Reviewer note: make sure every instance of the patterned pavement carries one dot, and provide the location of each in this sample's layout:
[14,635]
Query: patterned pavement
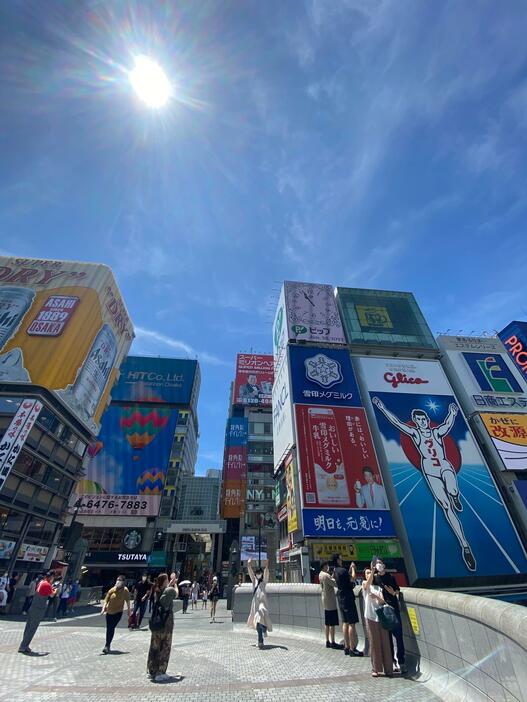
[217,665]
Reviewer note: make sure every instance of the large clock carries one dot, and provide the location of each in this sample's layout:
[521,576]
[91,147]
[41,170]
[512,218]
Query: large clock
[312,304]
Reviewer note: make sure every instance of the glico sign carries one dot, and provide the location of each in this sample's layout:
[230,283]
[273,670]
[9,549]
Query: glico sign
[514,338]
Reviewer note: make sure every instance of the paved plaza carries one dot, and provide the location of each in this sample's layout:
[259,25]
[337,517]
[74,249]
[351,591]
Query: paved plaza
[217,664]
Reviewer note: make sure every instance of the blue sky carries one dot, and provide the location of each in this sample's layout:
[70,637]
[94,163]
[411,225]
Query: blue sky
[372,144]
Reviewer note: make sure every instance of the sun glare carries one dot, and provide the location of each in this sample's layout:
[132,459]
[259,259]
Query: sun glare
[150,82]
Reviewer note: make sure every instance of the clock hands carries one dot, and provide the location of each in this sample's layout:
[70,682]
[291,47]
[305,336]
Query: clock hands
[308,298]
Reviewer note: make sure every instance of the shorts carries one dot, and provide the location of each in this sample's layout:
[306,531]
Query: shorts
[331,617]
[348,610]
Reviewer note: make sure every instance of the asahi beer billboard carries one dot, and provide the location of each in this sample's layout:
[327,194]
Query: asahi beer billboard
[144,379]
[482,374]
[63,325]
[128,463]
[455,519]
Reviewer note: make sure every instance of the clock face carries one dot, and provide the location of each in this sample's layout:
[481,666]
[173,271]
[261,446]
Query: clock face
[312,304]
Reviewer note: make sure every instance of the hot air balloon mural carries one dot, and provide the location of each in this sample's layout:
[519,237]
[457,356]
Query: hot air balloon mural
[141,424]
[93,449]
[90,487]
[151,482]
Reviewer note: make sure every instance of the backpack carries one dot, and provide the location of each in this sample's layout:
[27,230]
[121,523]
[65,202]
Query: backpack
[158,618]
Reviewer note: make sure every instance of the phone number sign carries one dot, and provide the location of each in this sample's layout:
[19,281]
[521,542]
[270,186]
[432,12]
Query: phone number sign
[118,505]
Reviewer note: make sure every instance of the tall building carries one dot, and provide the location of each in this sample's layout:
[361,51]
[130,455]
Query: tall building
[376,454]
[248,483]
[147,445]
[64,331]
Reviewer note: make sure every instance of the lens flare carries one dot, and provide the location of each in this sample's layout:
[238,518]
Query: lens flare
[150,82]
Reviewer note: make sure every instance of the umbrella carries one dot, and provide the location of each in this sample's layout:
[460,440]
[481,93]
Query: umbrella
[185,582]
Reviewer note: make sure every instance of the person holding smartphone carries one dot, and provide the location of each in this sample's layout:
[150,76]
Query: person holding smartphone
[381,656]
[345,580]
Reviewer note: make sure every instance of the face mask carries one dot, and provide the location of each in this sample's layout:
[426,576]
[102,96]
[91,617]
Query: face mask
[380,568]
[144,578]
[119,584]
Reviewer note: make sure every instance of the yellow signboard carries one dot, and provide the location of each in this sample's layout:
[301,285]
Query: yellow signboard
[412,616]
[508,433]
[325,551]
[63,325]
[375,317]
[363,550]
[292,519]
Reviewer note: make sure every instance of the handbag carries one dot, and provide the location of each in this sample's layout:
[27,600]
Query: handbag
[387,617]
[158,618]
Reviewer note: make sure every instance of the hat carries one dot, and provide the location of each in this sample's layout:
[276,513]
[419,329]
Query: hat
[215,579]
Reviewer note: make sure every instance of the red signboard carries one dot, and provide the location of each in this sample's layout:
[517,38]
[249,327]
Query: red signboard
[338,463]
[235,463]
[53,316]
[254,380]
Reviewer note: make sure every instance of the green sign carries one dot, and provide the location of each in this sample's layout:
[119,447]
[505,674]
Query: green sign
[385,549]
[356,550]
[157,559]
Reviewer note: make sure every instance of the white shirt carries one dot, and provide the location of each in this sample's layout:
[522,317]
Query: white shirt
[372,496]
[371,603]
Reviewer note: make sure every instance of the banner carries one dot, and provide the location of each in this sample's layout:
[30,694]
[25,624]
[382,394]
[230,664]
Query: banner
[254,380]
[482,374]
[143,379]
[233,499]
[253,548]
[344,523]
[356,550]
[323,376]
[16,434]
[292,516]
[63,325]
[514,338]
[508,433]
[455,519]
[312,313]
[235,468]
[338,465]
[128,463]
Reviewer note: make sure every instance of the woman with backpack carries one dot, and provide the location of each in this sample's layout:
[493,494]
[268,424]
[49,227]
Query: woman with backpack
[259,618]
[161,624]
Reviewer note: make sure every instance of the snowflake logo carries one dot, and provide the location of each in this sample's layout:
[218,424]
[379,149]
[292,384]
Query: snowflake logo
[323,370]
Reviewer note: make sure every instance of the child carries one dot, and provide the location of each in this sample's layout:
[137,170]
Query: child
[204,596]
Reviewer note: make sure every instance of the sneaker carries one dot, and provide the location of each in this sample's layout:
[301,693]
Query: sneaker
[469,559]
[25,651]
[106,650]
[355,652]
[328,645]
[346,651]
[456,502]
[337,646]
[162,677]
[260,646]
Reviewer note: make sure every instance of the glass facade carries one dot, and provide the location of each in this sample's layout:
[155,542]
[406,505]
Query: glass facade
[198,499]
[383,318]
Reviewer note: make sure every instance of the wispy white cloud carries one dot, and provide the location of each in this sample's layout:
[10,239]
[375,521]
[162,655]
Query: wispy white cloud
[149,336]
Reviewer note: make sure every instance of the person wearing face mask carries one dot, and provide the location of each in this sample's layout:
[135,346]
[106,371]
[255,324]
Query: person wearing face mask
[391,592]
[259,617]
[381,657]
[142,591]
[113,606]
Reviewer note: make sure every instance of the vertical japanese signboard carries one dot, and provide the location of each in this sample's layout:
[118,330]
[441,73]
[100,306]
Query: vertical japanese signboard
[341,485]
[235,468]
[15,436]
[283,432]
[455,518]
[292,515]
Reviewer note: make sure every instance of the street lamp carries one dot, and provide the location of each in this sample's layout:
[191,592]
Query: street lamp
[233,567]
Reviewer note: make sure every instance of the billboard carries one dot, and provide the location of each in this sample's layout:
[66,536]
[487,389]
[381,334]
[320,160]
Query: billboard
[323,376]
[455,518]
[15,435]
[235,467]
[283,432]
[128,463]
[514,338]
[253,548]
[233,499]
[508,433]
[63,325]
[254,380]
[381,317]
[482,374]
[338,465]
[292,513]
[312,314]
[144,379]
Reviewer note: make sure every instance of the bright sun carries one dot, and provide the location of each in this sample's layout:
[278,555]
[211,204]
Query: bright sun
[150,82]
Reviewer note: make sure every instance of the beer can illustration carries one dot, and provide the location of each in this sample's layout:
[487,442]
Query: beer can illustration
[91,380]
[330,474]
[14,304]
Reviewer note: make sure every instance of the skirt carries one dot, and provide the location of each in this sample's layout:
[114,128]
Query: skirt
[331,617]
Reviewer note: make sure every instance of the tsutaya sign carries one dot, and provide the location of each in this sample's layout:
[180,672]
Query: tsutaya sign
[482,374]
[514,338]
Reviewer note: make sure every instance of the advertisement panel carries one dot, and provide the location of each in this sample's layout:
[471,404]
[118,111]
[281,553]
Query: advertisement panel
[237,431]
[292,514]
[483,375]
[253,548]
[514,338]
[127,468]
[254,380]
[456,521]
[383,317]
[345,523]
[233,499]
[235,468]
[144,379]
[235,463]
[16,434]
[63,325]
[356,550]
[283,432]
[508,433]
[323,376]
[338,465]
[312,313]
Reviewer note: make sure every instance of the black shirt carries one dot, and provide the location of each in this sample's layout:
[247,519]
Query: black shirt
[344,582]
[141,589]
[387,579]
